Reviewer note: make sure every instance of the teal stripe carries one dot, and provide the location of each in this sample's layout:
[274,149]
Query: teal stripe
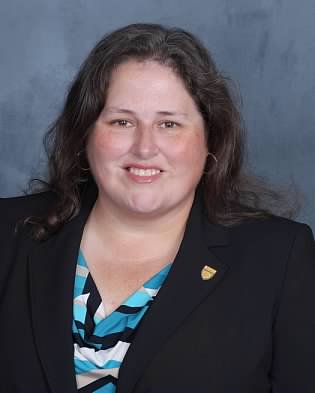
[112,364]
[83,366]
[81,260]
[79,283]
[79,312]
[77,292]
[138,299]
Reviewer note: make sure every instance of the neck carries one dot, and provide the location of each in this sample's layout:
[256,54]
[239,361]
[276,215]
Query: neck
[135,237]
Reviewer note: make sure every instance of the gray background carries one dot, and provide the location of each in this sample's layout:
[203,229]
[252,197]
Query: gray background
[267,46]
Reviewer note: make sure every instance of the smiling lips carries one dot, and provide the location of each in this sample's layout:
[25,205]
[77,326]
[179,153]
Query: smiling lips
[143,174]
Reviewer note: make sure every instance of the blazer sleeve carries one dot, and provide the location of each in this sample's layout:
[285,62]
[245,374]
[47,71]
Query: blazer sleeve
[13,212]
[293,368]
[8,237]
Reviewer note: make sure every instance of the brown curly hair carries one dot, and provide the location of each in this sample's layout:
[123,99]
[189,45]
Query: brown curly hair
[230,195]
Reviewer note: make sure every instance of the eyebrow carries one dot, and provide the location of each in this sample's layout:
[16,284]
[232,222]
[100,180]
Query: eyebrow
[124,110]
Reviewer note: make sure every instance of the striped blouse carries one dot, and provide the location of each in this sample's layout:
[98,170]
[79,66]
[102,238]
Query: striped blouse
[101,341]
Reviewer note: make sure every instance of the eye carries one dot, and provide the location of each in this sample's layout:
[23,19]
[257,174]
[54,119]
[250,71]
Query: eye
[121,123]
[169,124]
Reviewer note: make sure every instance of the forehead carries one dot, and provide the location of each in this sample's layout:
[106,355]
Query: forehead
[147,83]
[145,68]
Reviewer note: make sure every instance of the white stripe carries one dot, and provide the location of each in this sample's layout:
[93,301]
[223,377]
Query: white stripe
[91,376]
[99,358]
[81,300]
[149,291]
[82,271]
[100,313]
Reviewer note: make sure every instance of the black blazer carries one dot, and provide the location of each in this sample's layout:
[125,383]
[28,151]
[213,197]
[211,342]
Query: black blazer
[249,329]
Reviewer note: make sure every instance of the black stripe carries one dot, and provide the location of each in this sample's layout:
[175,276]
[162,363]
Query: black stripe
[77,339]
[107,341]
[98,384]
[92,305]
[123,309]
[94,299]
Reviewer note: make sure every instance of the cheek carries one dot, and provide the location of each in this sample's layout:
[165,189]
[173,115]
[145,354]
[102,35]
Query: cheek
[191,152]
[107,145]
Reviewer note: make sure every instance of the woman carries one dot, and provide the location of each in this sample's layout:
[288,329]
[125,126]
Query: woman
[148,265]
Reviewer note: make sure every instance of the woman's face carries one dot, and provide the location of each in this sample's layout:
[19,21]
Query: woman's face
[147,149]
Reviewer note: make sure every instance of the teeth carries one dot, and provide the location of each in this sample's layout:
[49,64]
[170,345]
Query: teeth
[144,172]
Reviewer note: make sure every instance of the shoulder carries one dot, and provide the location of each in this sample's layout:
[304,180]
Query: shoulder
[18,208]
[269,230]
[274,242]
[13,211]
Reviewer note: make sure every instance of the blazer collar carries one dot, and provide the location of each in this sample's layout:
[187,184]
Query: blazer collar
[52,267]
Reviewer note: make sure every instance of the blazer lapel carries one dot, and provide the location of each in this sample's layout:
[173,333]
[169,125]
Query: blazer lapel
[52,267]
[183,290]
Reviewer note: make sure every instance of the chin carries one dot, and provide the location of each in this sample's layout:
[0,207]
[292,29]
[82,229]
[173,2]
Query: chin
[145,207]
[155,204]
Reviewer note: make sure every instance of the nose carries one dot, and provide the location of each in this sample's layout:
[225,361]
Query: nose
[144,144]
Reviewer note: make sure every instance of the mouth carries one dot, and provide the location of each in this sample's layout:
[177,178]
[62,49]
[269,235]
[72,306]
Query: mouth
[144,172]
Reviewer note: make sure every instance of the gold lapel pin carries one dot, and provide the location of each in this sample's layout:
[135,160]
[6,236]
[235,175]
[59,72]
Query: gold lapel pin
[207,272]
